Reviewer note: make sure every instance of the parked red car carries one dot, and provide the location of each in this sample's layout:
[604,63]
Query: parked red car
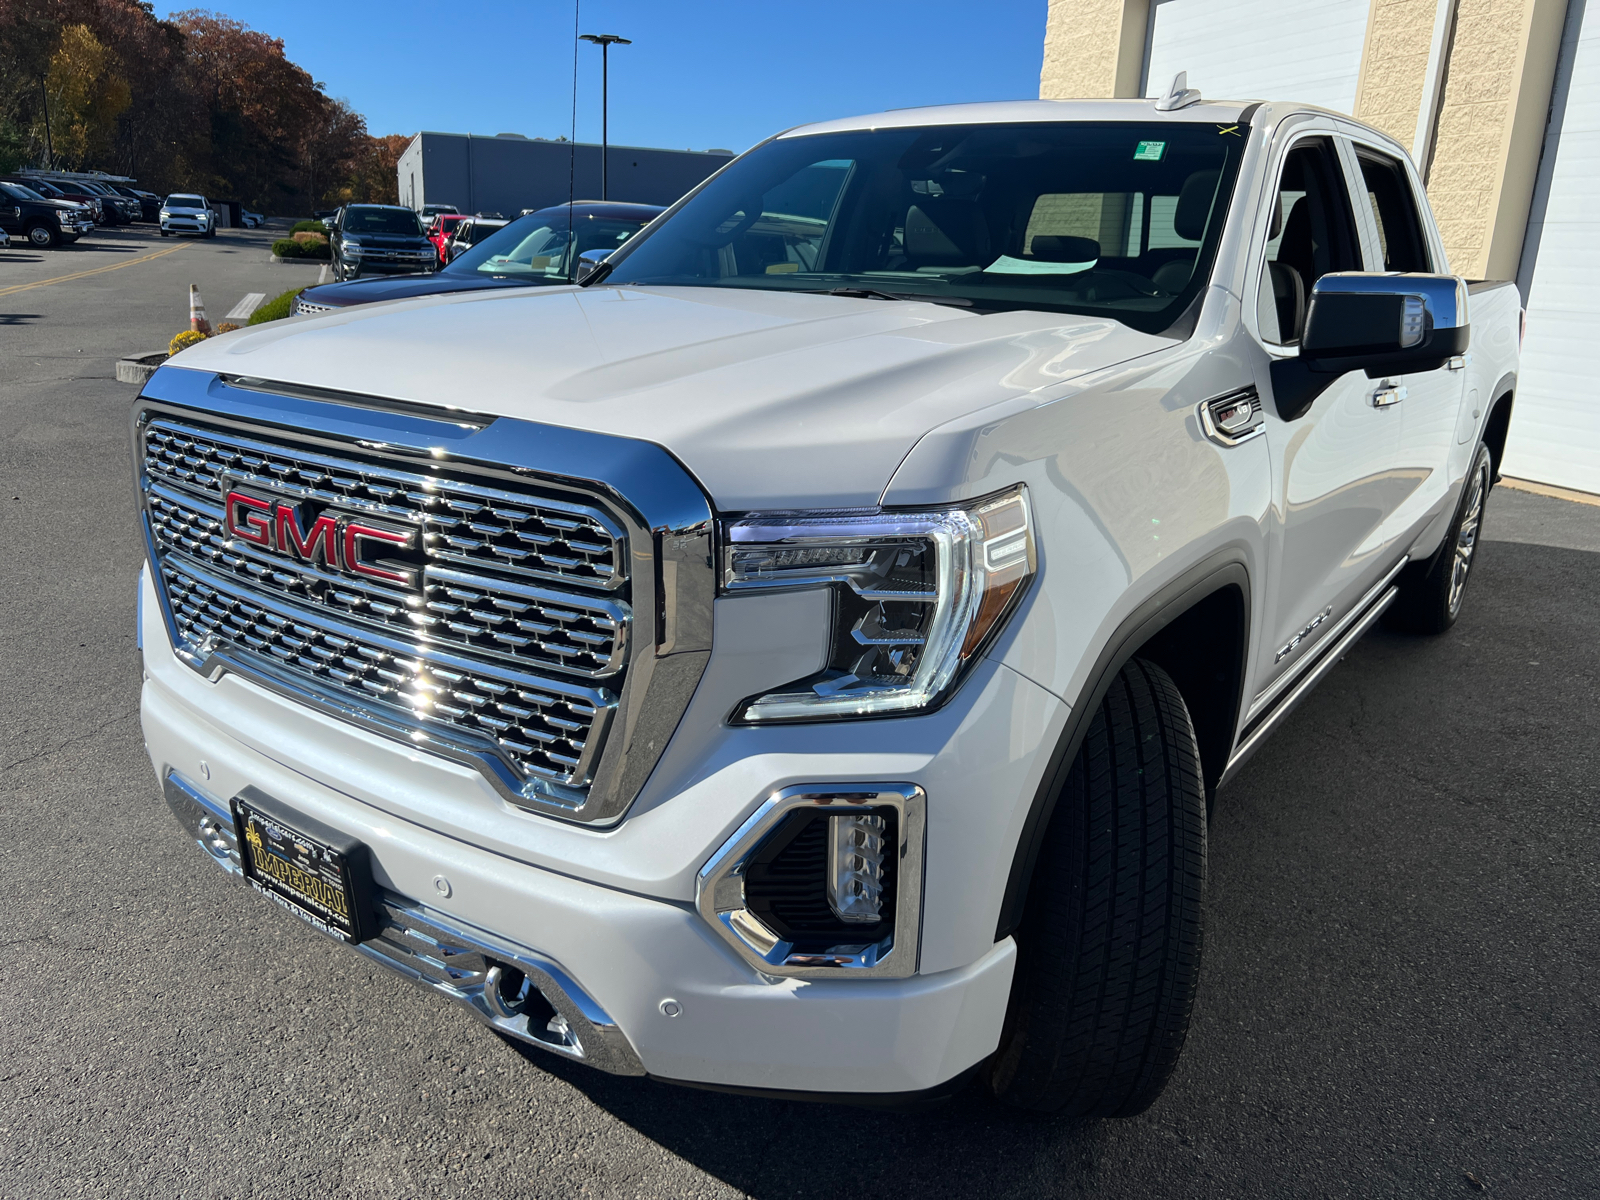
[441,231]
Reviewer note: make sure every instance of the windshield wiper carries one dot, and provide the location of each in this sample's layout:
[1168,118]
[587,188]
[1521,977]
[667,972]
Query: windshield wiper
[865,293]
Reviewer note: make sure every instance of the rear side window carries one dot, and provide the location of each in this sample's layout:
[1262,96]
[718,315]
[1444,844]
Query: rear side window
[1394,208]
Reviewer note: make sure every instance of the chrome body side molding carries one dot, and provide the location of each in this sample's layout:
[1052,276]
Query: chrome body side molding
[1330,652]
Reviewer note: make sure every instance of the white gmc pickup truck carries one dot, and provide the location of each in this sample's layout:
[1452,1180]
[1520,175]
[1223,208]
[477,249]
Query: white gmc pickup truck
[799,658]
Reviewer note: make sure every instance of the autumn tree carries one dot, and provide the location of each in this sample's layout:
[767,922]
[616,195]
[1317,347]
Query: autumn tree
[86,96]
[199,102]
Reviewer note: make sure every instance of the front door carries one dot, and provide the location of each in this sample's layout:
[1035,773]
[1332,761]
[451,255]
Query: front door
[1336,486]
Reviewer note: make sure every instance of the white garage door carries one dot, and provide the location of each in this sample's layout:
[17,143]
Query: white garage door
[1555,427]
[1308,50]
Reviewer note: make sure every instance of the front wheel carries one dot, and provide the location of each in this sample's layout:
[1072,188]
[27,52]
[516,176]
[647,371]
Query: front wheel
[1431,591]
[1108,952]
[42,237]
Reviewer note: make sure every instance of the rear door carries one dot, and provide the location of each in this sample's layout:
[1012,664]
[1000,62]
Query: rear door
[1428,402]
[1336,492]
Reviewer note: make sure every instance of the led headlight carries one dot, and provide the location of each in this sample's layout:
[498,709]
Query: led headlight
[916,597]
[351,249]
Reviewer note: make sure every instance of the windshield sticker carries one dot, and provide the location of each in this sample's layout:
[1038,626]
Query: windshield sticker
[1006,265]
[1149,151]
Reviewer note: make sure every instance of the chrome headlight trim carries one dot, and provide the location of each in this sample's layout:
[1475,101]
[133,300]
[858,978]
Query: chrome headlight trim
[919,595]
[719,887]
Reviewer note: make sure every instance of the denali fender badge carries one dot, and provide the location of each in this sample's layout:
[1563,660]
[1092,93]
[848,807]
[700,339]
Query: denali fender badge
[338,542]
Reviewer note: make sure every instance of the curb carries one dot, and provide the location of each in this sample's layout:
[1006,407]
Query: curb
[317,262]
[137,368]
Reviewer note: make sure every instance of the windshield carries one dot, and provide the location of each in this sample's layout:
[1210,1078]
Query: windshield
[538,248]
[381,220]
[185,202]
[17,192]
[1115,219]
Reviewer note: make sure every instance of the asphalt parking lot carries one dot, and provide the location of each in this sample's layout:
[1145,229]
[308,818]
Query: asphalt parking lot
[1401,994]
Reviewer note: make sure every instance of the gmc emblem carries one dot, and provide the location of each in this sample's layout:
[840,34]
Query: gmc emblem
[340,543]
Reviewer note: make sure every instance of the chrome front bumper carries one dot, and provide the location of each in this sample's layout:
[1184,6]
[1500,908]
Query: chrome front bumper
[545,1007]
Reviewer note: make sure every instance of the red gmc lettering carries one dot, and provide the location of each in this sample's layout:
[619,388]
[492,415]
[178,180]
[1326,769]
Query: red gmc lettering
[355,534]
[323,539]
[255,526]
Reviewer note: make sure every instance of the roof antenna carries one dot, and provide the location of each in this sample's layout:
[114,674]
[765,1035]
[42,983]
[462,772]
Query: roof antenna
[1179,95]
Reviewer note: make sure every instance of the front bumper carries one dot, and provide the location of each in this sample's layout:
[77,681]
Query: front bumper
[446,957]
[185,225]
[614,956]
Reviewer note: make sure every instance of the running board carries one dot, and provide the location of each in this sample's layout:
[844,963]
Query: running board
[1333,651]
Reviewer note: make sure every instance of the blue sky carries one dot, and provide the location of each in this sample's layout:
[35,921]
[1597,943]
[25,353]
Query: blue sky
[701,74]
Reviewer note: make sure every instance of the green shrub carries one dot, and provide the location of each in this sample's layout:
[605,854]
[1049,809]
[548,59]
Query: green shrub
[276,308]
[287,248]
[314,249]
[308,227]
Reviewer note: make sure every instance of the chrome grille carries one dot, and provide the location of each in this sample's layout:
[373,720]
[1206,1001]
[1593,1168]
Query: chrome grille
[541,730]
[304,307]
[540,628]
[466,523]
[512,641]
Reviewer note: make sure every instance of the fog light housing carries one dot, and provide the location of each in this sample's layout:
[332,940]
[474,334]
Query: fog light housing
[823,881]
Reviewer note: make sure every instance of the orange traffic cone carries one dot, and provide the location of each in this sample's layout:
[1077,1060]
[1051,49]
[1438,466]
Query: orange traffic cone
[197,312]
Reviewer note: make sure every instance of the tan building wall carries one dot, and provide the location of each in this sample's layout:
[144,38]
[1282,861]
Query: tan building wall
[1394,65]
[1491,126]
[1093,49]
[1497,73]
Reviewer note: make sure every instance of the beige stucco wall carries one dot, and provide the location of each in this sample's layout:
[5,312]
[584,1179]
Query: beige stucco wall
[1093,49]
[1394,65]
[1490,130]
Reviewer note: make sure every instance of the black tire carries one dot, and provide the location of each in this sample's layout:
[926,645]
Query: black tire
[42,237]
[1108,952]
[1432,591]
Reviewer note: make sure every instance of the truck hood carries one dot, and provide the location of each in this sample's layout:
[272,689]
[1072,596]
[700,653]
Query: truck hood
[772,399]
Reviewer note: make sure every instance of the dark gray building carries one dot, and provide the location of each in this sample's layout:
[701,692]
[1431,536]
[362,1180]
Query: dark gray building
[508,172]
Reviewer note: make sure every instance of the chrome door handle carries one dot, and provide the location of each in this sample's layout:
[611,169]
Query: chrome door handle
[1388,393]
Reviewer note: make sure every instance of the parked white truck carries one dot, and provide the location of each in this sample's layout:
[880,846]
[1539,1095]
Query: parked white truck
[799,659]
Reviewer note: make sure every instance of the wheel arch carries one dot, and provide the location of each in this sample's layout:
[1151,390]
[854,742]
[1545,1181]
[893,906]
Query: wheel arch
[1499,422]
[1196,628]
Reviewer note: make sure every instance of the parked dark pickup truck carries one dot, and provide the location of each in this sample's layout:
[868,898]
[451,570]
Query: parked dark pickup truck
[42,223]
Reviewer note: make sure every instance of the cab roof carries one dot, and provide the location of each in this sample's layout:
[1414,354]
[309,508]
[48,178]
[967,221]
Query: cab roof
[999,112]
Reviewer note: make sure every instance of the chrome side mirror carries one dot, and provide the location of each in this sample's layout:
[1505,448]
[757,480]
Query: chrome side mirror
[589,262]
[1385,324]
[1379,323]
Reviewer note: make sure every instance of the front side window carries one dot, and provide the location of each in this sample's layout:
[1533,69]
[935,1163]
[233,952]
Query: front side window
[1394,210]
[1114,219]
[1312,233]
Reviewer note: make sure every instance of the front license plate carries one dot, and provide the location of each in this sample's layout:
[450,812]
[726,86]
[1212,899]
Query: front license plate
[319,874]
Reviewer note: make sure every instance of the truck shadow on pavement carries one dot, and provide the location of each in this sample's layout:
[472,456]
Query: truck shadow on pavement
[1393,928]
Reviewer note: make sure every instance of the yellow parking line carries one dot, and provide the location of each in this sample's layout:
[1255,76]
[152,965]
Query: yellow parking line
[22,287]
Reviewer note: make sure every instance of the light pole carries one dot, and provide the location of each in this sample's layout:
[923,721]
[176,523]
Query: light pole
[605,41]
[49,152]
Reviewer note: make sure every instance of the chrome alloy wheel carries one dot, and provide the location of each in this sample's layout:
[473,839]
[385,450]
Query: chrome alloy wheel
[1467,534]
